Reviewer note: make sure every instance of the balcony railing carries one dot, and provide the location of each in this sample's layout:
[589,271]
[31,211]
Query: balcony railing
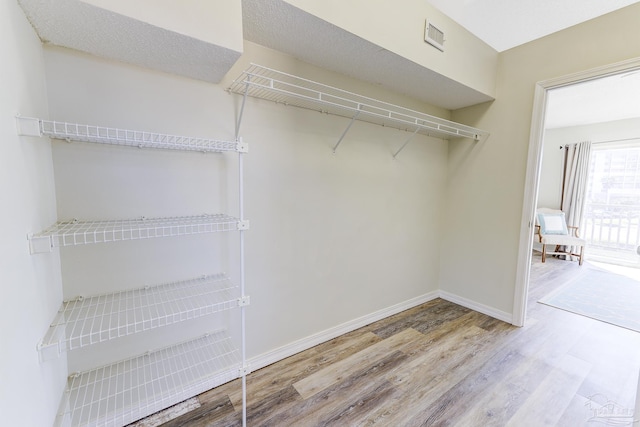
[614,227]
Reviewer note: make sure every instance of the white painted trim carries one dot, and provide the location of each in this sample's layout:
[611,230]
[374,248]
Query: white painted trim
[295,347]
[534,163]
[592,74]
[480,308]
[306,343]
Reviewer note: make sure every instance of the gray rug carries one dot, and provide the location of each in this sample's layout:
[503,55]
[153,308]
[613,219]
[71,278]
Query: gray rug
[600,295]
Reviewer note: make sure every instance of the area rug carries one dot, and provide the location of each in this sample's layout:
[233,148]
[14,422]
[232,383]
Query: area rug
[600,295]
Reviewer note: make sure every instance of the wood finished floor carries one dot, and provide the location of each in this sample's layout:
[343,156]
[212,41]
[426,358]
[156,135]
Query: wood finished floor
[444,365]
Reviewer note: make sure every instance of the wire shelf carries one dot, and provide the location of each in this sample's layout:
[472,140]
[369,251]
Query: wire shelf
[118,394]
[86,321]
[76,232]
[114,136]
[265,83]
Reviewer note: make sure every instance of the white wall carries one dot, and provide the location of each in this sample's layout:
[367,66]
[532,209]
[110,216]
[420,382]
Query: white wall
[486,181]
[333,237]
[30,284]
[550,187]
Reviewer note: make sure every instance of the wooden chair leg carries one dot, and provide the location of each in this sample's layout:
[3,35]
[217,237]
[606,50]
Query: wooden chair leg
[581,255]
[544,252]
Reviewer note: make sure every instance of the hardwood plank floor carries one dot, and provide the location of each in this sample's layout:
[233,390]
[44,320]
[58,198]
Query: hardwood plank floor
[440,364]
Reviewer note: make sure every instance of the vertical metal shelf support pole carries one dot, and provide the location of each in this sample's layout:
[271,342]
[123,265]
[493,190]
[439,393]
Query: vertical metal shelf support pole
[244,369]
[242,290]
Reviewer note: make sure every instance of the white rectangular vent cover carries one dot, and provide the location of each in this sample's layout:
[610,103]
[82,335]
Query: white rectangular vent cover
[434,36]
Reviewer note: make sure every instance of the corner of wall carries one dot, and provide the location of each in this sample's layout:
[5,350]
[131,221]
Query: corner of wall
[31,285]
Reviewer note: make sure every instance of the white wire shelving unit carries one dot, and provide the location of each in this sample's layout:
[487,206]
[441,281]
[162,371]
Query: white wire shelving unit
[86,321]
[125,391]
[266,83]
[29,126]
[77,232]
[120,393]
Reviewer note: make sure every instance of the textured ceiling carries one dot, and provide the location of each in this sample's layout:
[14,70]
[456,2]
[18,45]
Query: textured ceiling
[280,26]
[87,28]
[504,24]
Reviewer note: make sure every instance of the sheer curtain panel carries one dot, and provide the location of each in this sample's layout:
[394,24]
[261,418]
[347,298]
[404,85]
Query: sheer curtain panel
[574,186]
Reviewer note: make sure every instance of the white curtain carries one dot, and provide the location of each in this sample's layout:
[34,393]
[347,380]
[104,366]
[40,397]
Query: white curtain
[574,187]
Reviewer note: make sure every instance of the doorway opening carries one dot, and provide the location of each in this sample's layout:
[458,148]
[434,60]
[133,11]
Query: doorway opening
[542,126]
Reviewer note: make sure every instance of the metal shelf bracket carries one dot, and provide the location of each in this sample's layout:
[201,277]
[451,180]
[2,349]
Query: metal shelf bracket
[244,301]
[405,143]
[40,244]
[244,101]
[244,370]
[48,352]
[28,126]
[353,119]
[243,147]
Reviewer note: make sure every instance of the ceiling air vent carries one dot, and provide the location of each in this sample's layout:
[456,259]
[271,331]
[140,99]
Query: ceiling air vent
[434,36]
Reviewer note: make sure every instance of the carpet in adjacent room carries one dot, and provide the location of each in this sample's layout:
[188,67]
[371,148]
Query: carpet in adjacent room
[600,295]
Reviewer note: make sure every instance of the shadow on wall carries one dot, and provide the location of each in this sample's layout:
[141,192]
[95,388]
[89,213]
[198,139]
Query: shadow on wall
[461,150]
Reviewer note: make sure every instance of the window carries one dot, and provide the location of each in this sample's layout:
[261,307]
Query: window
[612,209]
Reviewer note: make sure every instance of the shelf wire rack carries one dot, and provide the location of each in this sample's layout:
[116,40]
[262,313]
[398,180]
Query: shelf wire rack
[85,321]
[265,83]
[123,392]
[76,232]
[115,136]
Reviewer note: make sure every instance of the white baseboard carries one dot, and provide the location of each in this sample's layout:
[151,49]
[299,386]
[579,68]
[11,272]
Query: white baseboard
[306,343]
[480,308]
[285,351]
